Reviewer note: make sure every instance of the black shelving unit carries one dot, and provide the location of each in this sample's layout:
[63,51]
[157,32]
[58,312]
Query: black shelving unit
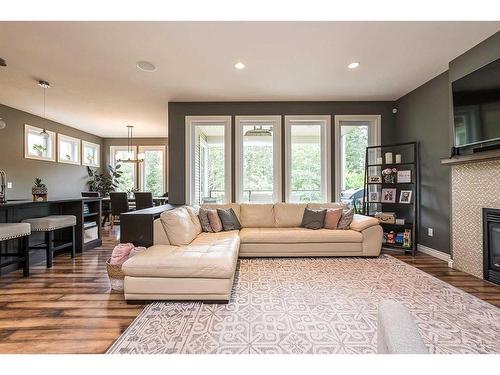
[408,211]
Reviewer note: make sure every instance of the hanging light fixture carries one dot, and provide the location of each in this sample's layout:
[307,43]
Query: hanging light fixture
[44,85]
[3,124]
[259,132]
[130,153]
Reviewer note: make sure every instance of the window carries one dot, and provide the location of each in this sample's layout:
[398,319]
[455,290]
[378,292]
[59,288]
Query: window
[353,134]
[37,146]
[208,159]
[91,154]
[68,149]
[152,169]
[127,182]
[258,158]
[307,140]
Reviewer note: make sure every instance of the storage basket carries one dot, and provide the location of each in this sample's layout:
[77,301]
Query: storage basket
[115,275]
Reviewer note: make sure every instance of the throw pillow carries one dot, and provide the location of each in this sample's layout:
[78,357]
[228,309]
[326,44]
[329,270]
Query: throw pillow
[215,223]
[205,223]
[313,219]
[332,218]
[229,219]
[346,219]
[179,226]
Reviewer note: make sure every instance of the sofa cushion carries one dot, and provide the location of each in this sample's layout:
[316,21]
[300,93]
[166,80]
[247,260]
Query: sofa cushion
[179,226]
[254,215]
[326,205]
[214,219]
[346,219]
[215,259]
[298,235]
[229,219]
[313,219]
[288,215]
[332,218]
[234,206]
[193,212]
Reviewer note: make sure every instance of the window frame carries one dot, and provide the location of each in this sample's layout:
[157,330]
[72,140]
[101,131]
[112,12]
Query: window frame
[141,169]
[52,137]
[97,147]
[326,146]
[112,161]
[373,140]
[76,142]
[191,122]
[275,121]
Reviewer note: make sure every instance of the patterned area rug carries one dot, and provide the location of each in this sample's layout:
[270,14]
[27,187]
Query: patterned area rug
[315,305]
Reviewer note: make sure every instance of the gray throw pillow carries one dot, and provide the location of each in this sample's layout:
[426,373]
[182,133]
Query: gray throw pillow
[346,219]
[313,219]
[205,223]
[229,219]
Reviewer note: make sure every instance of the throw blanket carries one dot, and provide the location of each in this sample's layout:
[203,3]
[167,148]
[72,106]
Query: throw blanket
[123,251]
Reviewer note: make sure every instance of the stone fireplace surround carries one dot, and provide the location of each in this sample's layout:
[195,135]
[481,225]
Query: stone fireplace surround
[474,186]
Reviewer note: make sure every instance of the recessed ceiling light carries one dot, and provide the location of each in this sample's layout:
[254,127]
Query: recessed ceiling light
[239,65]
[146,66]
[353,65]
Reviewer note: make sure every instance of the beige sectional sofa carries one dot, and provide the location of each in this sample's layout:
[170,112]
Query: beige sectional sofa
[187,264]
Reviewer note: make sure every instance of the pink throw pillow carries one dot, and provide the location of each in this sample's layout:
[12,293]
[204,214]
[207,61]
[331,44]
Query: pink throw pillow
[214,219]
[332,218]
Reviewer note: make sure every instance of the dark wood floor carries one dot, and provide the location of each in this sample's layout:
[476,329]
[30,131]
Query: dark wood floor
[71,308]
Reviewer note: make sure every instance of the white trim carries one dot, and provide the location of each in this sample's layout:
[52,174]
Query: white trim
[275,122]
[436,254]
[373,140]
[98,153]
[326,151]
[191,122]
[76,142]
[142,165]
[52,137]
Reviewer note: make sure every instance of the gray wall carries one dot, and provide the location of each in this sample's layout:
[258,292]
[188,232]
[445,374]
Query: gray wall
[62,180]
[107,142]
[423,116]
[176,126]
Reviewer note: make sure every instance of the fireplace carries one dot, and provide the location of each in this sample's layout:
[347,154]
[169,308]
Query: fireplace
[491,241]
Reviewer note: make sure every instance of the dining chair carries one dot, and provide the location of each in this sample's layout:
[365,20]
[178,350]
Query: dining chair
[143,200]
[119,205]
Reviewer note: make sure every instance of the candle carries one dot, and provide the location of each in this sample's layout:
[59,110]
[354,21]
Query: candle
[398,158]
[388,158]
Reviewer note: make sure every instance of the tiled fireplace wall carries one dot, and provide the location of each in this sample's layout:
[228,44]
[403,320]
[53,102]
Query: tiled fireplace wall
[473,186]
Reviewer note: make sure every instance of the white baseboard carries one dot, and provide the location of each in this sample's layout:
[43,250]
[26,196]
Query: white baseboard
[436,254]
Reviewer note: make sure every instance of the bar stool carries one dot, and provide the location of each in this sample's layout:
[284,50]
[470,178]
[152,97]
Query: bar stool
[49,224]
[21,232]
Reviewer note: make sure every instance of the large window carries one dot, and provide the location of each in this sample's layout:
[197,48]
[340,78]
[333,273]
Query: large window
[258,158]
[353,134]
[208,159]
[308,158]
[127,181]
[152,169]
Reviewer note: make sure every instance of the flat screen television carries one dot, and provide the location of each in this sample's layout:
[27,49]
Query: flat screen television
[476,106]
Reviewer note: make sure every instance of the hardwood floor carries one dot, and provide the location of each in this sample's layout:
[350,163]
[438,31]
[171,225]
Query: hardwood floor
[71,308]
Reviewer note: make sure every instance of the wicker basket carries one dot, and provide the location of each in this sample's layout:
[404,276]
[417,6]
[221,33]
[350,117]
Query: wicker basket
[116,275]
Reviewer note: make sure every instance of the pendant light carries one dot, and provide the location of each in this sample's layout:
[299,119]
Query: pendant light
[130,153]
[44,85]
[3,124]
[258,131]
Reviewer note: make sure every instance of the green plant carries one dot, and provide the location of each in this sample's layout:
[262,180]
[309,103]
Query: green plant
[39,183]
[104,183]
[39,148]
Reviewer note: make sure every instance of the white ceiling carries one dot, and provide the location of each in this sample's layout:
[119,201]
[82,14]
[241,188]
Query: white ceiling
[96,86]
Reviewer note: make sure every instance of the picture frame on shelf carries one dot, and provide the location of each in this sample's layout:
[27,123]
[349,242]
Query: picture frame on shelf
[374,197]
[404,177]
[375,179]
[405,196]
[388,196]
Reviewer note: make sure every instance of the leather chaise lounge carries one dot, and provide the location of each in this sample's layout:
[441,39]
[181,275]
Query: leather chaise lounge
[185,263]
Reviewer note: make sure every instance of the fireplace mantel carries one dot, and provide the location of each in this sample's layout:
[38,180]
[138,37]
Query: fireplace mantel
[479,156]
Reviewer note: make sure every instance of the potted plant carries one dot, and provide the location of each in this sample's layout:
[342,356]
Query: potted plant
[104,183]
[39,190]
[39,149]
